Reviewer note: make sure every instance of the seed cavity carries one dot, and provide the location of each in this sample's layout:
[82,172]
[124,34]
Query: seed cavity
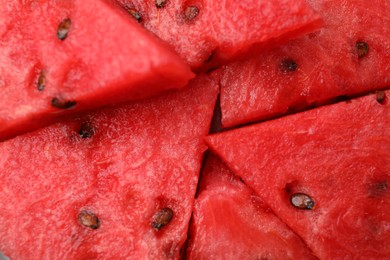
[162,218]
[302,201]
[291,187]
[381,97]
[362,49]
[161,3]
[288,65]
[211,56]
[41,81]
[89,219]
[191,12]
[63,104]
[86,130]
[63,29]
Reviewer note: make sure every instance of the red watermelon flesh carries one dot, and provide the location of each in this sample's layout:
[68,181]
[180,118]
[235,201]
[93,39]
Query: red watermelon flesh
[313,69]
[324,172]
[201,29]
[61,57]
[123,164]
[230,222]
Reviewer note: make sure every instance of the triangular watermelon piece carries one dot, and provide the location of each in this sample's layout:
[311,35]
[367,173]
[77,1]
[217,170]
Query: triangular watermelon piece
[203,30]
[60,57]
[115,184]
[349,56]
[324,172]
[231,222]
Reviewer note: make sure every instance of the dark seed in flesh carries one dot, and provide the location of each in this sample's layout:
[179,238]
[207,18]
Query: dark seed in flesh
[362,49]
[63,104]
[86,130]
[380,97]
[63,29]
[162,218]
[288,65]
[191,12]
[131,10]
[302,201]
[89,219]
[137,15]
[41,81]
[378,189]
[160,3]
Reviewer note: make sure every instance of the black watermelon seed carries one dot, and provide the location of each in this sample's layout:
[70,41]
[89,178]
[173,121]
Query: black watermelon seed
[63,29]
[86,130]
[63,104]
[162,218]
[378,188]
[191,12]
[288,65]
[89,219]
[302,201]
[134,12]
[160,3]
[41,81]
[380,97]
[137,15]
[362,49]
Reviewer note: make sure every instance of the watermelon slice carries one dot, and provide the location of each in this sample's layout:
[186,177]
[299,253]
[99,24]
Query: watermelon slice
[203,29]
[324,172]
[230,222]
[349,56]
[114,184]
[61,57]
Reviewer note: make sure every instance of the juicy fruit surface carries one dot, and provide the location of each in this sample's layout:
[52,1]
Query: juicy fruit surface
[60,57]
[313,69]
[230,222]
[201,29]
[124,165]
[339,156]
[121,182]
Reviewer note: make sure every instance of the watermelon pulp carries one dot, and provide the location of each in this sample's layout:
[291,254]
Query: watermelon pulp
[230,222]
[122,165]
[324,172]
[120,182]
[61,57]
[349,56]
[206,29]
